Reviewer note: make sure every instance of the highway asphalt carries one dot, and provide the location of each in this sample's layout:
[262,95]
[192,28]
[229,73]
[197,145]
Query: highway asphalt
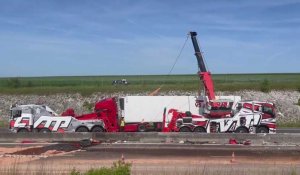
[288,130]
[162,159]
[164,149]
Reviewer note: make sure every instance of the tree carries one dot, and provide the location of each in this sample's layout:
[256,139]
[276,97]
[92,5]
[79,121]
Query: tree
[14,82]
[265,86]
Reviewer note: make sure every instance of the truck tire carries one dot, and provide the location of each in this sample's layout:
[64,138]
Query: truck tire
[82,129]
[44,130]
[23,130]
[85,143]
[185,129]
[199,129]
[262,129]
[97,129]
[241,130]
[141,128]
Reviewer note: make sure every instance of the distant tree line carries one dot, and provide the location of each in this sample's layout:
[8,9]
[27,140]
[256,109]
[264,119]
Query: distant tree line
[16,83]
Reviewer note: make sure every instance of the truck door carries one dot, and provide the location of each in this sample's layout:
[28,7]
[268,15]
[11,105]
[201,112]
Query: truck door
[121,107]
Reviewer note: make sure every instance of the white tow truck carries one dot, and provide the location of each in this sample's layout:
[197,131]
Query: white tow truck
[41,118]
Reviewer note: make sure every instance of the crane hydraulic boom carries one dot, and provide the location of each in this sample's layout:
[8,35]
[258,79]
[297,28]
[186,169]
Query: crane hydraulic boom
[217,108]
[204,75]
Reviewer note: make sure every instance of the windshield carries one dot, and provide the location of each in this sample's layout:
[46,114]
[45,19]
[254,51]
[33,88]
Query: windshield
[40,111]
[15,113]
[268,110]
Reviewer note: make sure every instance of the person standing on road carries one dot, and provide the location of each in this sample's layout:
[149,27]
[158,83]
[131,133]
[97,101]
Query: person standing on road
[122,124]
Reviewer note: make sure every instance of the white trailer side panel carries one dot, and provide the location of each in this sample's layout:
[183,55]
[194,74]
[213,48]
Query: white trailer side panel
[151,108]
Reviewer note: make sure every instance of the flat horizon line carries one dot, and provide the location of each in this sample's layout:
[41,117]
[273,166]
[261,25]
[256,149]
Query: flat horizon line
[132,75]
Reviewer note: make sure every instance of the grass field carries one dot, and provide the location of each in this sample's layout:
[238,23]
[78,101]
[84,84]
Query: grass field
[89,84]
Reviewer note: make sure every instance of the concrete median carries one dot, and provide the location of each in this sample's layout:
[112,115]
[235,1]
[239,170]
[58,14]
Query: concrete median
[149,137]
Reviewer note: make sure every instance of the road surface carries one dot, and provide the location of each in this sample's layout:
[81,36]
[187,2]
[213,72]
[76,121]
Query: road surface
[162,159]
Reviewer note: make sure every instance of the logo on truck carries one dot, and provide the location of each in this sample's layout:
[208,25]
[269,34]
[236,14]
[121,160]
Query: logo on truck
[46,122]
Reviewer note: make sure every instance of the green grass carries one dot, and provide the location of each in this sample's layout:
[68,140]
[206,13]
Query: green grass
[118,168]
[4,123]
[87,85]
[288,124]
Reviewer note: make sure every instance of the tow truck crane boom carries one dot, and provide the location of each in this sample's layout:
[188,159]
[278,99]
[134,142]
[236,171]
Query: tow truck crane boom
[205,76]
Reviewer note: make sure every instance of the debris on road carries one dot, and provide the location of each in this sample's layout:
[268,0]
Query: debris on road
[233,141]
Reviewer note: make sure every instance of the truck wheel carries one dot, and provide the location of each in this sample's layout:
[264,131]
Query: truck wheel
[23,130]
[44,130]
[85,143]
[199,129]
[185,129]
[241,130]
[141,128]
[82,129]
[262,129]
[97,129]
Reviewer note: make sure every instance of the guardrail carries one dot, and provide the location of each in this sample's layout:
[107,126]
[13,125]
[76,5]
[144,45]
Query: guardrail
[154,137]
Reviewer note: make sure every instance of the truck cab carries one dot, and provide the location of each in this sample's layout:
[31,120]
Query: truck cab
[268,109]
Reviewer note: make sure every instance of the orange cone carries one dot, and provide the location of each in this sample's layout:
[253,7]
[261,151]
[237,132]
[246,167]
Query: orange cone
[232,158]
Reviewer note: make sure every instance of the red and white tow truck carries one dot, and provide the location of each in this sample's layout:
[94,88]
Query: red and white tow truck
[220,115]
[41,118]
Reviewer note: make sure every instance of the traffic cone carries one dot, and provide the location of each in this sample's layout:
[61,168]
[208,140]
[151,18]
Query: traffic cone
[232,158]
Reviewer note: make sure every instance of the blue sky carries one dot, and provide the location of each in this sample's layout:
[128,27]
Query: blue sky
[135,37]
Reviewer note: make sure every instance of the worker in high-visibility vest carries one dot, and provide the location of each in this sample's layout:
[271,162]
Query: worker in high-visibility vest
[122,124]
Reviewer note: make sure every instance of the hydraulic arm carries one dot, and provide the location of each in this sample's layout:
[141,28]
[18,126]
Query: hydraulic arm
[204,75]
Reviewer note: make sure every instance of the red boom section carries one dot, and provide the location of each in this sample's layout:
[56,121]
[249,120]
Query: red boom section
[208,84]
[172,124]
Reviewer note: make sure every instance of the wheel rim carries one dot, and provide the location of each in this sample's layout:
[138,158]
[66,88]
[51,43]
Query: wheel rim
[82,130]
[97,130]
[262,130]
[142,128]
[199,130]
[185,129]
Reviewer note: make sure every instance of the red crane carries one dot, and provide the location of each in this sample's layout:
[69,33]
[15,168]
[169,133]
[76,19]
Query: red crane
[218,108]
